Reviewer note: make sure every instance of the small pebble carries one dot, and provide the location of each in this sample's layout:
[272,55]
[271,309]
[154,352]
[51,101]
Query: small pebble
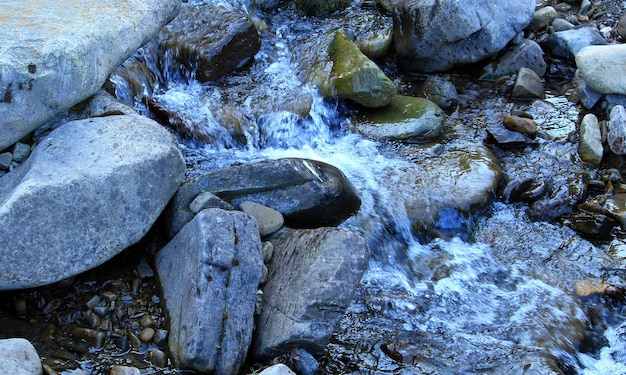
[5,160]
[109,296]
[158,358]
[147,320]
[93,302]
[144,270]
[268,251]
[134,340]
[20,152]
[124,370]
[20,307]
[147,334]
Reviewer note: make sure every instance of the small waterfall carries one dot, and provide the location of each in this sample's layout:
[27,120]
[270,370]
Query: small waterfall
[488,299]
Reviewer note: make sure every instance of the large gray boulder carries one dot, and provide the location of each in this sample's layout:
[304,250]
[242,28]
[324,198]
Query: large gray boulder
[19,357]
[89,190]
[312,279]
[436,35]
[54,56]
[308,193]
[209,274]
[209,40]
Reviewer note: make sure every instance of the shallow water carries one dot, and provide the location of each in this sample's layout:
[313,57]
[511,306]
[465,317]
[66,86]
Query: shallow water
[495,293]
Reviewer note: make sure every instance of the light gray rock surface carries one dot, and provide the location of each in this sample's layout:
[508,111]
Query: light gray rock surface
[590,146]
[597,66]
[89,190]
[312,279]
[435,35]
[209,275]
[19,357]
[269,220]
[55,55]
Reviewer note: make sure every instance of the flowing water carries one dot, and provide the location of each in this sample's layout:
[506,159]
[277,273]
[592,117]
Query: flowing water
[494,292]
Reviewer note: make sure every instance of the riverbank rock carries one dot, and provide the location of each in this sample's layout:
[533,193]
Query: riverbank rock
[312,279]
[590,146]
[355,77]
[431,36]
[566,44]
[597,67]
[19,357]
[89,190]
[405,118]
[616,136]
[209,275]
[52,57]
[209,40]
[307,193]
[527,54]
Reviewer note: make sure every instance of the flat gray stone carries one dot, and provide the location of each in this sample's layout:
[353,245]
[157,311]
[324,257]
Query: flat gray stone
[55,55]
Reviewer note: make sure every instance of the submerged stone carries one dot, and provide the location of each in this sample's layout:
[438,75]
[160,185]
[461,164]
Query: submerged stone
[405,118]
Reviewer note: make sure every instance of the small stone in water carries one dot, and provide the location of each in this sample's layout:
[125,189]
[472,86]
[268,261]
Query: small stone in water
[144,270]
[160,337]
[147,334]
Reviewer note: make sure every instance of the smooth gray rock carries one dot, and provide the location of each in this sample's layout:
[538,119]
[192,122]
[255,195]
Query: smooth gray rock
[616,136]
[269,220]
[209,40]
[590,146]
[566,44]
[599,67]
[312,279]
[279,369]
[435,35]
[308,193]
[527,54]
[542,18]
[209,275]
[19,357]
[89,190]
[52,57]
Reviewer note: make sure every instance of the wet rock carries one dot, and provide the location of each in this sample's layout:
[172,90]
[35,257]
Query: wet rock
[312,279]
[613,206]
[320,7]
[519,124]
[209,40]
[527,54]
[70,57]
[18,356]
[590,146]
[528,85]
[115,174]
[590,224]
[307,193]
[355,77]
[505,138]
[515,188]
[279,369]
[405,118]
[567,44]
[542,18]
[437,35]
[211,303]
[616,136]
[269,220]
[208,200]
[305,363]
[440,91]
[375,44]
[588,96]
[597,67]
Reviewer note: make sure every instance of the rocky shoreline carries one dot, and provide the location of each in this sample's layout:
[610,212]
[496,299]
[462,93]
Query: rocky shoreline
[130,261]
